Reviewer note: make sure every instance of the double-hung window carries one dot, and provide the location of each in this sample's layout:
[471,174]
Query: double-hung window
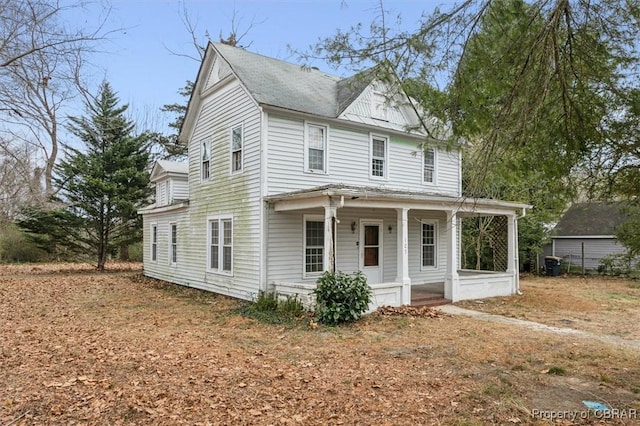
[428,244]
[379,157]
[173,247]
[206,158]
[316,155]
[220,241]
[154,242]
[428,165]
[313,245]
[237,143]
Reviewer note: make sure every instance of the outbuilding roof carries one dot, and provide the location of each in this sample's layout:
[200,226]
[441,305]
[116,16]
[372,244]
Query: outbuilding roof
[590,219]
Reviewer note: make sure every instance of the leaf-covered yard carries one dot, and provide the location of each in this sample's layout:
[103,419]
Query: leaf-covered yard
[78,347]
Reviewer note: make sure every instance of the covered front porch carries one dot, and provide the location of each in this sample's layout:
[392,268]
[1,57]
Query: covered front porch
[406,243]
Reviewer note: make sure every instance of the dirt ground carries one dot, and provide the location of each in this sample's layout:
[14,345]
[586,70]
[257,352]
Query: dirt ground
[79,347]
[594,304]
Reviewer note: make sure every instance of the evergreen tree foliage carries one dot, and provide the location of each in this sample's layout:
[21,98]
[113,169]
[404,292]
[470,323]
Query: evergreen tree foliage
[101,185]
[544,94]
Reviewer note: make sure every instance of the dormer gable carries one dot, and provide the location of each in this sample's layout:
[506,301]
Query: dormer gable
[171,182]
[383,105]
[219,71]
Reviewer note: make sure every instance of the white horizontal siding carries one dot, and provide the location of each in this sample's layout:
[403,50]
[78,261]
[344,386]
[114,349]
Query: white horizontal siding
[427,275]
[179,190]
[594,250]
[285,244]
[161,267]
[349,162]
[237,195]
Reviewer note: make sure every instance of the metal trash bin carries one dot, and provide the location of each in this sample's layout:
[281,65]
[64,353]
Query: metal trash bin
[552,265]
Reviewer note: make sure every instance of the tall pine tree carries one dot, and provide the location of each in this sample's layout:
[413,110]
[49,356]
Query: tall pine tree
[105,183]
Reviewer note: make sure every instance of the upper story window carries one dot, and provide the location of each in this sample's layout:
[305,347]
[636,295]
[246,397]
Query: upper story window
[237,143]
[220,242]
[316,149]
[206,159]
[429,165]
[379,150]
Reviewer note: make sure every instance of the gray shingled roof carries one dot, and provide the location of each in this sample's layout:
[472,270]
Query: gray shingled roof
[593,218]
[282,84]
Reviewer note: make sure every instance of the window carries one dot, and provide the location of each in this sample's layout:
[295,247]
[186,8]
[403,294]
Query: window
[221,245]
[236,149]
[205,160]
[316,148]
[428,244]
[378,157]
[154,242]
[313,245]
[173,258]
[429,165]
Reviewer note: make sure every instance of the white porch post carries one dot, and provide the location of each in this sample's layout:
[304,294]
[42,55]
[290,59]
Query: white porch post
[329,255]
[452,280]
[512,249]
[403,255]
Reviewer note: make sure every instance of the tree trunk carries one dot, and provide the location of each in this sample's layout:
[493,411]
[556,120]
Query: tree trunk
[124,252]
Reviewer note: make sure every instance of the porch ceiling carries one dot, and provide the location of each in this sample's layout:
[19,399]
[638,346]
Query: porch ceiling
[372,197]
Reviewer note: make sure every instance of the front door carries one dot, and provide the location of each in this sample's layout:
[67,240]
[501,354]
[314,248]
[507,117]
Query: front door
[371,250]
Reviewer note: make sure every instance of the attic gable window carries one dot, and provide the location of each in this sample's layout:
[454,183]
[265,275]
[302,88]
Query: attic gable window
[429,165]
[378,157]
[205,150]
[379,106]
[237,143]
[316,149]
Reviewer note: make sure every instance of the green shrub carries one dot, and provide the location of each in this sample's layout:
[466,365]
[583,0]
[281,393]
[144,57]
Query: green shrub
[341,297]
[135,252]
[270,309]
[290,307]
[16,247]
[266,302]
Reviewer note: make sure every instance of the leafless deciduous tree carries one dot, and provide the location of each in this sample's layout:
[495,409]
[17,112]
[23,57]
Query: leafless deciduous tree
[19,179]
[41,58]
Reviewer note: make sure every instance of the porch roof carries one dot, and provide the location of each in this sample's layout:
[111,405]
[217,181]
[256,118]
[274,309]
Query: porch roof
[376,197]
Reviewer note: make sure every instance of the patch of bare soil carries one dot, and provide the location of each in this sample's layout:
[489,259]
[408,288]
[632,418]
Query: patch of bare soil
[120,349]
[594,304]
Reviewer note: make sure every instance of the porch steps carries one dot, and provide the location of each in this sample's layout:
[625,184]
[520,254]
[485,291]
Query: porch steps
[428,299]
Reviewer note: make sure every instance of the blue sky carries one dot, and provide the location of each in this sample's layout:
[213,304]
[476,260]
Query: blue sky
[138,63]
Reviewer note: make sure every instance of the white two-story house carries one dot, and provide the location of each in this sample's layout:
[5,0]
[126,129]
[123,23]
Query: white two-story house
[292,172]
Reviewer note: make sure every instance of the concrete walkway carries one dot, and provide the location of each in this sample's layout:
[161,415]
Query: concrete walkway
[606,338]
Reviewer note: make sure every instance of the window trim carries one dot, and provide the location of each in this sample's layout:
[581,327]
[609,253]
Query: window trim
[173,244]
[310,218]
[220,219]
[153,244]
[205,145]
[385,169]
[433,222]
[241,150]
[307,147]
[435,166]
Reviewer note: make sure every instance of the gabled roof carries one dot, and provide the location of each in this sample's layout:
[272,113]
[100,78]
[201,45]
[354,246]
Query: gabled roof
[281,84]
[163,168]
[590,219]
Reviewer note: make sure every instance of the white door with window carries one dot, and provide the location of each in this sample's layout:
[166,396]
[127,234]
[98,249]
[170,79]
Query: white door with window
[371,250]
